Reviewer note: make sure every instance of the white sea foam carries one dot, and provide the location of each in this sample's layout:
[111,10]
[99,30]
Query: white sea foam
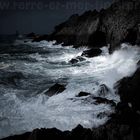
[64,111]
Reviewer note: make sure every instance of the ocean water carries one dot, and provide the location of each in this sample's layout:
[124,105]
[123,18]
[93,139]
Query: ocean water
[23,104]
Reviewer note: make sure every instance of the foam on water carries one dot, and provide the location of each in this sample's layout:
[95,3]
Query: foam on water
[64,111]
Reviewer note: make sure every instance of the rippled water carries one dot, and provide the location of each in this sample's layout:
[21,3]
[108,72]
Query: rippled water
[24,107]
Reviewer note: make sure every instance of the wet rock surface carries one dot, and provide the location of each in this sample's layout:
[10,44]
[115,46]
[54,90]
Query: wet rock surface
[99,100]
[129,91]
[77,59]
[55,89]
[92,53]
[81,94]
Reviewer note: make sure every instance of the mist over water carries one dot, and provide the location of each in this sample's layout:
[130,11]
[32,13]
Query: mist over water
[24,106]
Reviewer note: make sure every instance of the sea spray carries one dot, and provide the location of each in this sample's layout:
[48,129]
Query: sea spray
[25,107]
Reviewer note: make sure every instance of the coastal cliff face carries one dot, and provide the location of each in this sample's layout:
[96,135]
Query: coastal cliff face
[119,23]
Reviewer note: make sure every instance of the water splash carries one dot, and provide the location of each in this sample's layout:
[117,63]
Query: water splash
[21,113]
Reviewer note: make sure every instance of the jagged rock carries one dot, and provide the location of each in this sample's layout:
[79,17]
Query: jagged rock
[77,29]
[119,23]
[91,99]
[127,110]
[73,61]
[24,136]
[77,59]
[99,100]
[55,89]
[83,94]
[110,131]
[80,133]
[129,90]
[92,53]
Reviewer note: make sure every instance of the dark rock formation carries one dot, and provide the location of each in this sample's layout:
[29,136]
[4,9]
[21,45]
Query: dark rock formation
[129,91]
[81,94]
[100,100]
[55,89]
[19,137]
[131,36]
[73,61]
[119,23]
[77,30]
[54,134]
[92,53]
[77,59]
[91,99]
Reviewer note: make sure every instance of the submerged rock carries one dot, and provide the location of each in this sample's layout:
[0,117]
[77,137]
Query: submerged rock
[77,59]
[55,89]
[73,61]
[81,94]
[92,53]
[99,100]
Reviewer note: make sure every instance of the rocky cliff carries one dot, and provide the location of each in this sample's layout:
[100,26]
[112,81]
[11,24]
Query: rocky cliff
[119,23]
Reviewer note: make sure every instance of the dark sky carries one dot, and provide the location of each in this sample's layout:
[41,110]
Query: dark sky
[41,16]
